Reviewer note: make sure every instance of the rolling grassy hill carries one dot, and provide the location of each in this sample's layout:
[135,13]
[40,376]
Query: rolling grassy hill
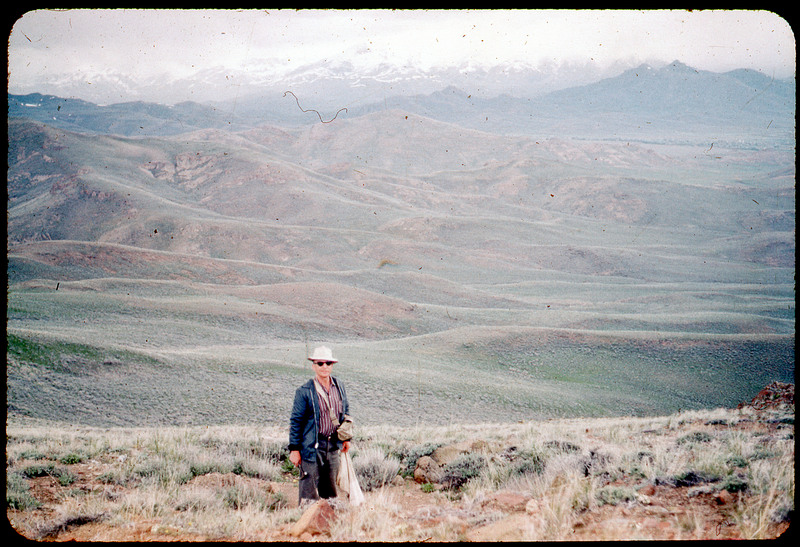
[459,275]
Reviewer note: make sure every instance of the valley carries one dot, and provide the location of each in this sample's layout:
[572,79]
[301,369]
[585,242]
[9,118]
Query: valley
[460,275]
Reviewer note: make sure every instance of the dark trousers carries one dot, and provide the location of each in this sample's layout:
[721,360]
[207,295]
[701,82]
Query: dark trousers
[318,478]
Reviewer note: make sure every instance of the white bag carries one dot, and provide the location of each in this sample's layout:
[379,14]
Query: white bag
[347,482]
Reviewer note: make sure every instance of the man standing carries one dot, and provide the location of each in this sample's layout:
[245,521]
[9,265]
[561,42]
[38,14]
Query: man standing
[319,407]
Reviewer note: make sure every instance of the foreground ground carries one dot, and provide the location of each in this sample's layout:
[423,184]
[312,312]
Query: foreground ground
[723,474]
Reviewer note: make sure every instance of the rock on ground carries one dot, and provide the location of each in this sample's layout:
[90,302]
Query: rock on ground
[317,519]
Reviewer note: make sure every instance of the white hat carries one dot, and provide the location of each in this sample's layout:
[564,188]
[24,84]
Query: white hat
[323,353]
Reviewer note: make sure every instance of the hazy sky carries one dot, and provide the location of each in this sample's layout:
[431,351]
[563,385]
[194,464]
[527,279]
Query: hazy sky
[49,44]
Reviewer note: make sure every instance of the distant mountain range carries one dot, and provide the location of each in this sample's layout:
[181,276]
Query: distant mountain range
[325,83]
[626,246]
[675,103]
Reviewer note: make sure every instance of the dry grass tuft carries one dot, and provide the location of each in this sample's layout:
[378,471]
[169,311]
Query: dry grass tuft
[700,474]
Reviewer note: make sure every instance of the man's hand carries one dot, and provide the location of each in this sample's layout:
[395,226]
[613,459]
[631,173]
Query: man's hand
[294,457]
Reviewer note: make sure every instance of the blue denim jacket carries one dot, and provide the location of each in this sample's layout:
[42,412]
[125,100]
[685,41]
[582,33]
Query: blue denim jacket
[304,423]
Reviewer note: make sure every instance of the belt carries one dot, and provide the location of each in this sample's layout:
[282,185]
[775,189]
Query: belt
[328,443]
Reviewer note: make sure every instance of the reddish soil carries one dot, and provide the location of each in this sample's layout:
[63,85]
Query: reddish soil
[672,512]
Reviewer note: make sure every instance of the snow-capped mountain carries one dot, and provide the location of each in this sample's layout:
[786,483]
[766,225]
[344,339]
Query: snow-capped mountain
[675,102]
[326,82]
